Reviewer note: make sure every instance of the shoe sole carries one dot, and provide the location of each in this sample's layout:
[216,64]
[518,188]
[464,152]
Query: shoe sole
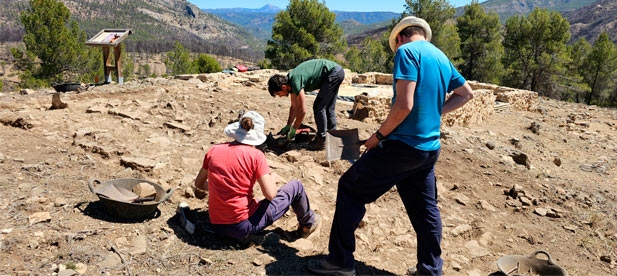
[313,228]
[333,270]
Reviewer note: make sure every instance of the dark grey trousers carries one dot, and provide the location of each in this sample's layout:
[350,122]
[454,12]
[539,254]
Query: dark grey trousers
[324,107]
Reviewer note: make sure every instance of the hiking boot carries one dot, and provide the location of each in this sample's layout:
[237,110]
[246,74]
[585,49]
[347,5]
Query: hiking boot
[305,231]
[326,268]
[318,143]
[182,212]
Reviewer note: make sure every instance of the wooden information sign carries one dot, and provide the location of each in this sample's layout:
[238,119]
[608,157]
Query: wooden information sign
[108,39]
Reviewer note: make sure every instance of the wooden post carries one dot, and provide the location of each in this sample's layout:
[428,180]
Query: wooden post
[107,63]
[113,65]
[118,55]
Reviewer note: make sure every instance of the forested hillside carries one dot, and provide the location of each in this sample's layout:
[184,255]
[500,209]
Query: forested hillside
[156,26]
[507,8]
[589,22]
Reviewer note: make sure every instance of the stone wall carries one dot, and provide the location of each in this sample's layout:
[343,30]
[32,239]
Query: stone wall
[372,109]
[474,112]
[486,99]
[517,99]
[373,78]
[375,109]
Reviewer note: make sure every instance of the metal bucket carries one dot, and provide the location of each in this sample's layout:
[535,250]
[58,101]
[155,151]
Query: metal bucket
[530,265]
[66,87]
[124,209]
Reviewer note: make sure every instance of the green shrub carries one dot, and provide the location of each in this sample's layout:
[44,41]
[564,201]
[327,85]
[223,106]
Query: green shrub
[30,81]
[264,64]
[71,265]
[206,64]
[145,71]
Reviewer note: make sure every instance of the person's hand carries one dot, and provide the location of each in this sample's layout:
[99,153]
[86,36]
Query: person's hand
[284,130]
[291,134]
[371,142]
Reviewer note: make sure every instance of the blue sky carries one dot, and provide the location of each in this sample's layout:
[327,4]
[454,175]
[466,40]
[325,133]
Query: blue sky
[333,5]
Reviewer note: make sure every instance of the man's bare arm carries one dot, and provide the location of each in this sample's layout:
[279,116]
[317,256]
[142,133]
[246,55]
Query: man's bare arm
[460,97]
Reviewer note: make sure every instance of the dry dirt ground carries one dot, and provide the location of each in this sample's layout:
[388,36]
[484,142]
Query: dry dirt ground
[516,183]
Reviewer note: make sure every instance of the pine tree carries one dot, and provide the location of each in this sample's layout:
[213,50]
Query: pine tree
[480,44]
[535,51]
[55,40]
[599,71]
[449,42]
[305,30]
[178,61]
[574,87]
[354,60]
[371,57]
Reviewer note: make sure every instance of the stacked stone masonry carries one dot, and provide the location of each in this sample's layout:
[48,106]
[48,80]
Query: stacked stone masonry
[486,97]
[520,100]
[373,109]
[474,112]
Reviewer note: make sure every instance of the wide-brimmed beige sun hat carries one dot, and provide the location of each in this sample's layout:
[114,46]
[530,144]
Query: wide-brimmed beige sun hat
[253,137]
[406,22]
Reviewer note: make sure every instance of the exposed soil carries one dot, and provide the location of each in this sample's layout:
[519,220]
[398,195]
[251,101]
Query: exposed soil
[517,183]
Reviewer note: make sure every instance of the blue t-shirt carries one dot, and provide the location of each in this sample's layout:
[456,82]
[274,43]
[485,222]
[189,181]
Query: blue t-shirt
[435,75]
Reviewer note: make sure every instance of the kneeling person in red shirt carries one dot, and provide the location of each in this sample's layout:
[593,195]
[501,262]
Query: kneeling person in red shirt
[229,172]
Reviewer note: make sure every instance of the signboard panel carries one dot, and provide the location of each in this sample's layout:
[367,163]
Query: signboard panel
[109,37]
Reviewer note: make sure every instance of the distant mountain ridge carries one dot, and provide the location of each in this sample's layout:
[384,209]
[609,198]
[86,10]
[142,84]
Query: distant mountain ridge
[590,21]
[260,21]
[507,8]
[265,9]
[362,17]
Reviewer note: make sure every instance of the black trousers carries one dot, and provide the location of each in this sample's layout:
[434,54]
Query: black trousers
[324,107]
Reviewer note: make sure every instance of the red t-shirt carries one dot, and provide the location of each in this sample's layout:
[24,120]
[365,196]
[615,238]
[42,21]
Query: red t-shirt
[233,170]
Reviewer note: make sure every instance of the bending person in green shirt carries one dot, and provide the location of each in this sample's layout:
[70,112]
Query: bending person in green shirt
[315,74]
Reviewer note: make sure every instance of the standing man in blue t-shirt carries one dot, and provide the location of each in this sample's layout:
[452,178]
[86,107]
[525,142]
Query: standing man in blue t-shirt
[315,74]
[402,152]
